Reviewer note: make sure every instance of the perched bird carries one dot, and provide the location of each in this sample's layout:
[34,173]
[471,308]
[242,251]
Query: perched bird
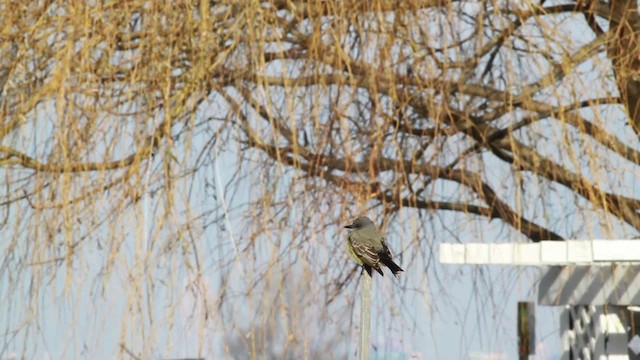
[366,245]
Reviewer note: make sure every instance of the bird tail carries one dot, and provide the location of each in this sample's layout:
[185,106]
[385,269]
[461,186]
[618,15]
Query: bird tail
[395,269]
[368,269]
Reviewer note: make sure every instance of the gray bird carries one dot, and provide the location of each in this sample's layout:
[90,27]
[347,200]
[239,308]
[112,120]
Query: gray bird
[366,245]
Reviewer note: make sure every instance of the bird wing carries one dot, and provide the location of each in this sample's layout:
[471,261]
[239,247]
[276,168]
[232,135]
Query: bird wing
[386,259]
[385,249]
[352,252]
[364,250]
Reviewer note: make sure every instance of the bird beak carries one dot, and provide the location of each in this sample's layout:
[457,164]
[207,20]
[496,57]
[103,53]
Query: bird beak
[349,227]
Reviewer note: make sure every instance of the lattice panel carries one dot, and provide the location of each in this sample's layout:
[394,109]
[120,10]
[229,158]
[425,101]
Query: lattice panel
[595,332]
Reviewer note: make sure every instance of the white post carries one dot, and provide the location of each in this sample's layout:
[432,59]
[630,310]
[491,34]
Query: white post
[365,316]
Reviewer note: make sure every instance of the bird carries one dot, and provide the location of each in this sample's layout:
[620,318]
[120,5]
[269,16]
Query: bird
[366,245]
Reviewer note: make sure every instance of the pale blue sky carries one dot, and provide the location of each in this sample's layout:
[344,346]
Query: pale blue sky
[451,313]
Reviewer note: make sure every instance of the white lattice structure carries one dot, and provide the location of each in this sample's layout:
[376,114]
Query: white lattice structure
[597,281]
[589,333]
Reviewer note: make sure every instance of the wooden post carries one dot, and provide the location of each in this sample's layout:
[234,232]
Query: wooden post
[526,330]
[365,316]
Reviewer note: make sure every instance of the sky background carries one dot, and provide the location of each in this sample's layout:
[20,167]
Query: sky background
[468,314]
[454,312]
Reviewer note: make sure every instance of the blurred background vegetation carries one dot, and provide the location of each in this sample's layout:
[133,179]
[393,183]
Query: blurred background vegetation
[172,165]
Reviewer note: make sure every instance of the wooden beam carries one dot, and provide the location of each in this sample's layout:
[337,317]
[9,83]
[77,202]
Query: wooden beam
[572,252]
[590,285]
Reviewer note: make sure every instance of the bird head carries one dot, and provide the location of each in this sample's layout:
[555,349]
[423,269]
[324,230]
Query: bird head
[360,222]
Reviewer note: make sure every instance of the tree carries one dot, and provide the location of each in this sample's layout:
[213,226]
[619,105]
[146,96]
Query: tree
[117,116]
[278,327]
